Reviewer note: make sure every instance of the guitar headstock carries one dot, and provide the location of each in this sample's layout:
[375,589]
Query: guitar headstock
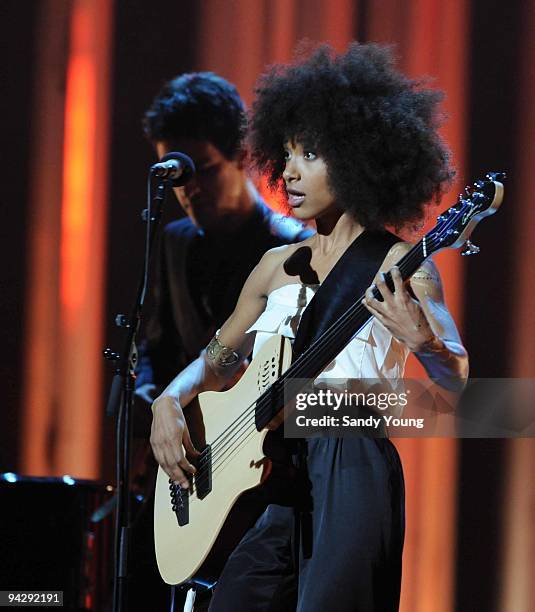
[456,224]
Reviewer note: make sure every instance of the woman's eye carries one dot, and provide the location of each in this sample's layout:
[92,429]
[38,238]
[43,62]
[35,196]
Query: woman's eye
[310,155]
[286,155]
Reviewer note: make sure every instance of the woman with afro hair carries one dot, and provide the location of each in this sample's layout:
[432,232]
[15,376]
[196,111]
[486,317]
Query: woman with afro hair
[353,146]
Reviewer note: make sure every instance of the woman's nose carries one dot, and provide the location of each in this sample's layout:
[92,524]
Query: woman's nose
[291,172]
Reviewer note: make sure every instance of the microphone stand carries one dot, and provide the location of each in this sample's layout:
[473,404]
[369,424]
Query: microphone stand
[121,394]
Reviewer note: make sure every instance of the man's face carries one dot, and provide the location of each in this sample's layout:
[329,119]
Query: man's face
[214,194]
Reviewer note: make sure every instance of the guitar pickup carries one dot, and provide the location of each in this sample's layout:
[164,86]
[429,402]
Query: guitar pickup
[203,477]
[180,502]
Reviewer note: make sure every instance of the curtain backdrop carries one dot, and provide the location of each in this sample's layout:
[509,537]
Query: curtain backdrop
[480,52]
[518,538]
[65,313]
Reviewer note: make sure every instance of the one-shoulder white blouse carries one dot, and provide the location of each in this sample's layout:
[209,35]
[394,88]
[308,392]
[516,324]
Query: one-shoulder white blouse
[372,353]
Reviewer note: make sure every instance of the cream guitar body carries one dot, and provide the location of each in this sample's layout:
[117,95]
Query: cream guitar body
[238,463]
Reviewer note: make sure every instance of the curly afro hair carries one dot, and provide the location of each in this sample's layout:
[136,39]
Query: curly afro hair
[375,128]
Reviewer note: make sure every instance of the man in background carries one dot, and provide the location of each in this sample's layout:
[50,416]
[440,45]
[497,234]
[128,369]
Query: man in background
[202,263]
[205,257]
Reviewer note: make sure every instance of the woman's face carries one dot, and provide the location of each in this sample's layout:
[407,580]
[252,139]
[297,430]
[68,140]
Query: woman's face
[305,179]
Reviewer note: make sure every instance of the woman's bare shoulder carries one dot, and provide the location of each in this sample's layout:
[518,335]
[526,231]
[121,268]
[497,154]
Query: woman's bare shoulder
[281,253]
[272,261]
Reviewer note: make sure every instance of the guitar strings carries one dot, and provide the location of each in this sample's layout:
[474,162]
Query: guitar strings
[332,333]
[347,318]
[221,451]
[218,458]
[222,458]
[260,404]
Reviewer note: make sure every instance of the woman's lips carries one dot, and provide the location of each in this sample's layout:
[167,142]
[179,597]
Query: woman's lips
[295,199]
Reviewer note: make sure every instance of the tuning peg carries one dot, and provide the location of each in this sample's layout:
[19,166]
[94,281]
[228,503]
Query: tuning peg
[478,198]
[110,355]
[145,215]
[470,249]
[121,320]
[496,176]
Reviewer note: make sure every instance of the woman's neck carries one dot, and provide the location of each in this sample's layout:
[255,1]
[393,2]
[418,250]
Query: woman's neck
[335,231]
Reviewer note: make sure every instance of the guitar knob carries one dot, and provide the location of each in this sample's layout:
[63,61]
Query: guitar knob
[470,249]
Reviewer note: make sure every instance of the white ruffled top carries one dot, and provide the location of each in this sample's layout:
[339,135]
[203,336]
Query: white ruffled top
[372,353]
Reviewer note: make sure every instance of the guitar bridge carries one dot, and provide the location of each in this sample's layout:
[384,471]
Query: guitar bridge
[180,502]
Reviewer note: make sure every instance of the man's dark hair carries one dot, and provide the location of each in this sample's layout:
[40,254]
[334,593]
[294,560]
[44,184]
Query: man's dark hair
[199,105]
[375,128]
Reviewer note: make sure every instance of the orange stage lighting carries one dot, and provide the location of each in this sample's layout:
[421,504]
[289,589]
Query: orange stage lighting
[63,402]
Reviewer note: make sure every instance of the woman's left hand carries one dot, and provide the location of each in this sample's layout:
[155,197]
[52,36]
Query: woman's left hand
[400,313]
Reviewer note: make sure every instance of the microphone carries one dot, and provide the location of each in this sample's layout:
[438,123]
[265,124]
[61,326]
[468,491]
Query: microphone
[177,167]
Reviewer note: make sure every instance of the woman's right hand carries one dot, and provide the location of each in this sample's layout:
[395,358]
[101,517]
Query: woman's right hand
[170,437]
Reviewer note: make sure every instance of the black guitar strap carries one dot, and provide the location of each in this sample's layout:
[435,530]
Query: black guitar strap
[352,274]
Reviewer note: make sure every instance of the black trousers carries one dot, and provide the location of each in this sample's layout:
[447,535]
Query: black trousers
[351,533]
